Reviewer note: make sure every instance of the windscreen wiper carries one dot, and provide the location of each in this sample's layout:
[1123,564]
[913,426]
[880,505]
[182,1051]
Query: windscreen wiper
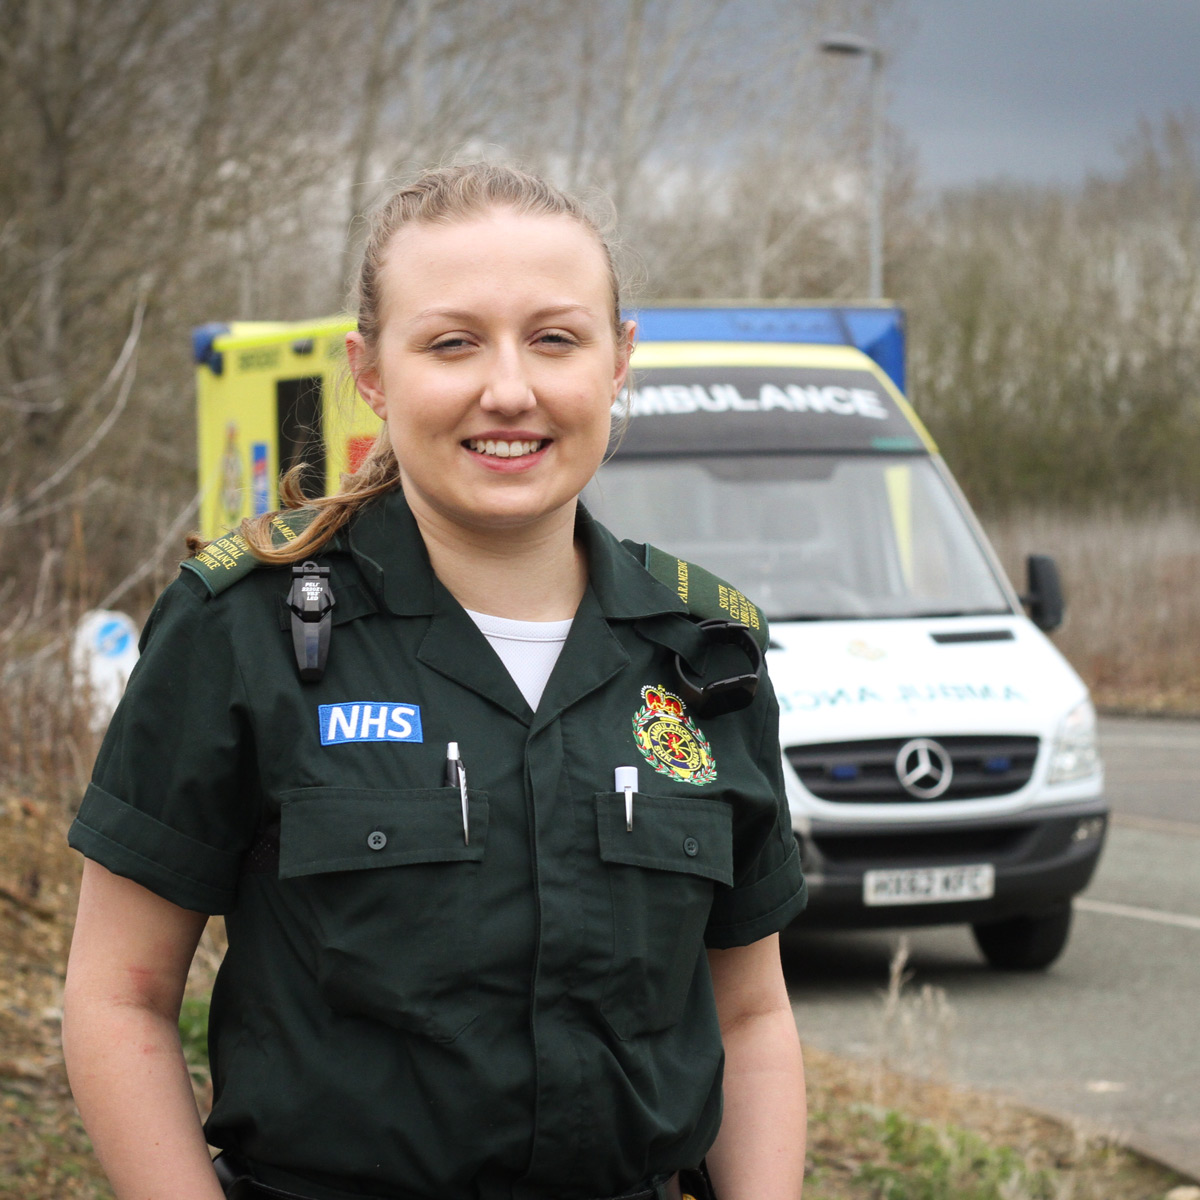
[959,612]
[775,620]
[931,615]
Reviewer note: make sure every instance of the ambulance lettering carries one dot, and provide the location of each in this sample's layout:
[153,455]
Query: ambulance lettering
[679,399]
[911,693]
[906,693]
[800,701]
[370,721]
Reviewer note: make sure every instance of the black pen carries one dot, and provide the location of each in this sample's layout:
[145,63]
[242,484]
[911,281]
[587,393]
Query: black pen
[456,776]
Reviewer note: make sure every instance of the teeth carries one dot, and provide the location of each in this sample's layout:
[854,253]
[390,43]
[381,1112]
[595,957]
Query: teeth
[503,449]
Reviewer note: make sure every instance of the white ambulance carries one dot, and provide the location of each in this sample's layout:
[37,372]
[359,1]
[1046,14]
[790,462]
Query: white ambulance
[939,752]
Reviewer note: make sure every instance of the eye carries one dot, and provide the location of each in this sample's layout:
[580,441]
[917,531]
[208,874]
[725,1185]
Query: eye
[450,343]
[557,339]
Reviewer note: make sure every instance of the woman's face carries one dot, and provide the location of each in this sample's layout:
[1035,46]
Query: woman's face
[497,365]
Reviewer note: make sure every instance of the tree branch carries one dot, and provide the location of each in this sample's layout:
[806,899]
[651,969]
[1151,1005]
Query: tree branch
[125,369]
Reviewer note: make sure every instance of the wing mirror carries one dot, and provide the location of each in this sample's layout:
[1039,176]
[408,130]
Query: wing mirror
[1044,599]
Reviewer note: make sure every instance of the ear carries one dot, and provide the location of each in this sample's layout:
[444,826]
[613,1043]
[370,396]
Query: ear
[366,375]
[625,345]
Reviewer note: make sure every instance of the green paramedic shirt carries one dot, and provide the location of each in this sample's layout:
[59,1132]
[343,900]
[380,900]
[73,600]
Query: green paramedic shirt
[402,1012]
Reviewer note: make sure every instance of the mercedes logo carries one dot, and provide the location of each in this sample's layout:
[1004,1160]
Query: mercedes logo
[924,768]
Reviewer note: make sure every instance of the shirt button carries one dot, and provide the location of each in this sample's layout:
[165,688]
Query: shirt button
[691,847]
[377,840]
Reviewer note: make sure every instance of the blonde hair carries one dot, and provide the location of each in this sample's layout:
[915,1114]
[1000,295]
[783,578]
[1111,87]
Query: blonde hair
[439,196]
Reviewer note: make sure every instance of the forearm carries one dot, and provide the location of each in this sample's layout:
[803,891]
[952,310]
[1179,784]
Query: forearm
[131,1084]
[759,1152]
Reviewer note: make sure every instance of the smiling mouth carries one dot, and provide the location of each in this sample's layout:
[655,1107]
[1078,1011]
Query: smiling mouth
[501,449]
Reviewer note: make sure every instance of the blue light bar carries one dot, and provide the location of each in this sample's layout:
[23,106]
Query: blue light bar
[203,337]
[878,331]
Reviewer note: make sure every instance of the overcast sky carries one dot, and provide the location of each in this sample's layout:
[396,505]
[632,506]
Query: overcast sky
[1039,90]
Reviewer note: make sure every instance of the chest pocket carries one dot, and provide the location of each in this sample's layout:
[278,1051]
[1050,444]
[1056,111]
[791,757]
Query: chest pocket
[661,878]
[389,885]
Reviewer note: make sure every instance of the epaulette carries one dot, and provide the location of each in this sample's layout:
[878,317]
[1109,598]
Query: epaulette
[223,562]
[706,596]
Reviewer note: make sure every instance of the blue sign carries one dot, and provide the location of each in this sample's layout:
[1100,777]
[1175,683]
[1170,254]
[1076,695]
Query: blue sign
[370,721]
[112,638]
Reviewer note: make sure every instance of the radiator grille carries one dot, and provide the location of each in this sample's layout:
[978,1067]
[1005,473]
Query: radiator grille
[865,772]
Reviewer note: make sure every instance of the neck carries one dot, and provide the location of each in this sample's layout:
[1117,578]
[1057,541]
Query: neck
[526,573]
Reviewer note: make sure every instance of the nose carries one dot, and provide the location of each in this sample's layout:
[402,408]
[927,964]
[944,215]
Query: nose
[507,389]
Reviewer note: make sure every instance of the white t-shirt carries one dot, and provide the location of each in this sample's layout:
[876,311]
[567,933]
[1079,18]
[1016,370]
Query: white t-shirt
[529,649]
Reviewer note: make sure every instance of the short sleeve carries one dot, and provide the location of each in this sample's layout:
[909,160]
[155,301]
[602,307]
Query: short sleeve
[172,804]
[768,890]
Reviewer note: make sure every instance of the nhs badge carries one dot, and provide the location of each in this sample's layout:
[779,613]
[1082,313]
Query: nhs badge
[370,721]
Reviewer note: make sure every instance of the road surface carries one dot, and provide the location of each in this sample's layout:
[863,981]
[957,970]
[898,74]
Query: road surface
[1111,1033]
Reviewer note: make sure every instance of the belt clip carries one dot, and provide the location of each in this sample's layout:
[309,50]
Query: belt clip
[729,694]
[311,604]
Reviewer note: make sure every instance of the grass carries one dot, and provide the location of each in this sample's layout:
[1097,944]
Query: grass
[929,1162]
[877,1135]
[44,1151]
[193,1034]
[892,1127]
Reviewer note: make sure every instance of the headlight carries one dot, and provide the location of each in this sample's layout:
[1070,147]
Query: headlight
[1074,753]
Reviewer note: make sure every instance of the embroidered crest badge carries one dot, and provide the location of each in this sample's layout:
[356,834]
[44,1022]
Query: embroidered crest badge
[670,740]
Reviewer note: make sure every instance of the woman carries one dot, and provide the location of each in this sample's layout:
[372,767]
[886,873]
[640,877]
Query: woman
[520,984]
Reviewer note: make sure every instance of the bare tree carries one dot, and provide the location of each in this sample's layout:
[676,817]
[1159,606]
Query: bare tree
[166,162]
[137,139]
[1056,332]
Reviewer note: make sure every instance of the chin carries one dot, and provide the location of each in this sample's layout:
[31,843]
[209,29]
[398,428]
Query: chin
[501,512]
[511,505]
[511,516]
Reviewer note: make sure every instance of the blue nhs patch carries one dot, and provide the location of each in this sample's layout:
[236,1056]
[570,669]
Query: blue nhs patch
[370,721]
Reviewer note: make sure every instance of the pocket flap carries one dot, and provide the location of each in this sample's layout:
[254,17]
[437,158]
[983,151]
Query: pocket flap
[356,829]
[687,834]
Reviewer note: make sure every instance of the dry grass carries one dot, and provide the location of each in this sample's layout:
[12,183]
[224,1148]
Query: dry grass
[43,1150]
[46,743]
[892,1127]
[1133,600]
[876,1135]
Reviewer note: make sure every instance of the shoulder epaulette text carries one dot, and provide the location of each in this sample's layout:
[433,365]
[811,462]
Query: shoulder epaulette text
[223,562]
[706,596]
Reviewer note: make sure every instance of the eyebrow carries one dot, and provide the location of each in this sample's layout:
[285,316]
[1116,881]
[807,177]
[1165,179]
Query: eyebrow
[462,314]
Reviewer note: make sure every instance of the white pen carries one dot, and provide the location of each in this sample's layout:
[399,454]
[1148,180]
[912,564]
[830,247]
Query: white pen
[456,776]
[626,780]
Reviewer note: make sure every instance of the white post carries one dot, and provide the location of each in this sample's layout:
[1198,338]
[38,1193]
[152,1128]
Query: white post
[875,291]
[854,46]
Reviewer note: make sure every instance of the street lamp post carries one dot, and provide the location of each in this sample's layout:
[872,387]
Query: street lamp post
[849,43]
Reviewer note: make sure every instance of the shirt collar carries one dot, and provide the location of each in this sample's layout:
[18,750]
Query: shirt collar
[625,589]
[388,548]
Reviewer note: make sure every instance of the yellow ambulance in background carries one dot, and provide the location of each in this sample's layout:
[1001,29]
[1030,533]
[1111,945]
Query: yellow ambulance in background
[270,394]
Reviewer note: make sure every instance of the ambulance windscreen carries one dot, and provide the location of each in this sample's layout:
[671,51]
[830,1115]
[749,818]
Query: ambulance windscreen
[809,536]
[707,409]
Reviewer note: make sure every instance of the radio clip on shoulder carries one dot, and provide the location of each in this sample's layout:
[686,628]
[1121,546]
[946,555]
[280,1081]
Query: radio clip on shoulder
[734,691]
[311,604]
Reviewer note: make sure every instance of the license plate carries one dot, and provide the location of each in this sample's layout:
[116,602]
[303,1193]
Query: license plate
[929,885]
